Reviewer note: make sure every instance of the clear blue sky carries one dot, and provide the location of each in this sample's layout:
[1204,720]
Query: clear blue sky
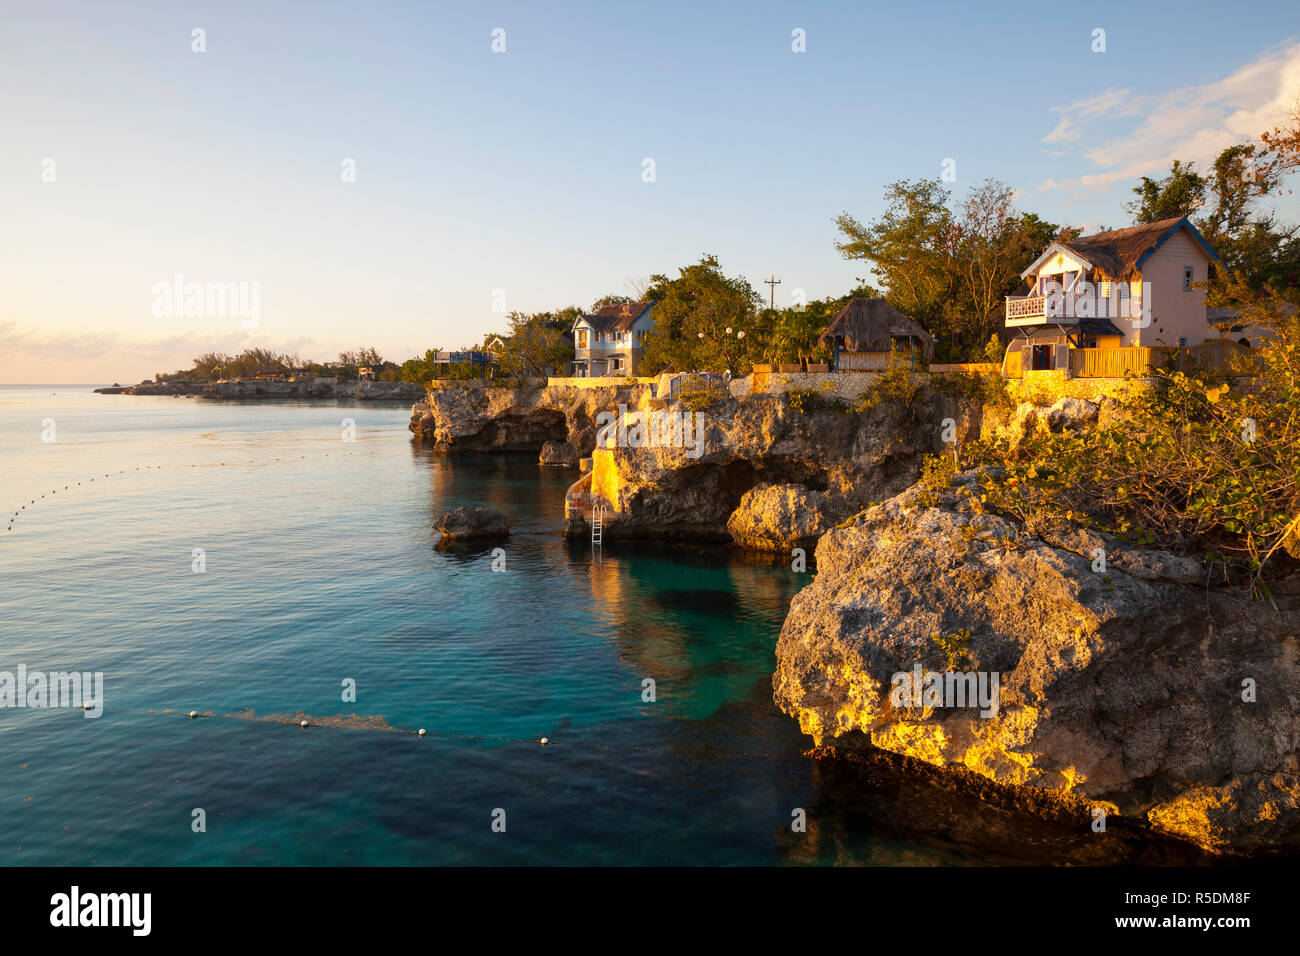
[522,170]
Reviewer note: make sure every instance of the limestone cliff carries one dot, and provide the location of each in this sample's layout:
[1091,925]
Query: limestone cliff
[834,462]
[471,416]
[1121,690]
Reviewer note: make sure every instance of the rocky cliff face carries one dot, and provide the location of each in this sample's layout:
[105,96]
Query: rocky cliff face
[828,464]
[1120,690]
[472,417]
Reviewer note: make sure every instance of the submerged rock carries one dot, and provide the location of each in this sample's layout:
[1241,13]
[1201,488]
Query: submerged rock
[473,523]
[779,518]
[1127,690]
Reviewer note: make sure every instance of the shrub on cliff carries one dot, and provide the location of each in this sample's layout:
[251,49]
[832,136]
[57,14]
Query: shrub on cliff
[898,387]
[699,395]
[808,401]
[1194,462]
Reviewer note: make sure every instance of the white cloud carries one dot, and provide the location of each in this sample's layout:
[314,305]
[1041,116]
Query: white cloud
[1075,117]
[1192,123]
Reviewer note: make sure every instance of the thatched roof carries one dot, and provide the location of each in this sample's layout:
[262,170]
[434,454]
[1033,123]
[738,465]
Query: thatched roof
[1120,253]
[869,325]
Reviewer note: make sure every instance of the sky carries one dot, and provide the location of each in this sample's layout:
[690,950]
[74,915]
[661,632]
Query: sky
[378,174]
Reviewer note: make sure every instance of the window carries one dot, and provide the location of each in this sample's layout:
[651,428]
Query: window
[1182,341]
[582,338]
[1189,276]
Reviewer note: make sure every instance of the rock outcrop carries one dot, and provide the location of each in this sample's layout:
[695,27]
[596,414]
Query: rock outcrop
[1138,690]
[779,518]
[473,523]
[846,460]
[474,416]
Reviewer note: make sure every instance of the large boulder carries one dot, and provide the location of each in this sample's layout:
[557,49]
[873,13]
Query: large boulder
[473,523]
[779,518]
[1132,689]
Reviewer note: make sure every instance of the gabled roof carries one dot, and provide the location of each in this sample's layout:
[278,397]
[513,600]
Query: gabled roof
[1120,253]
[869,325]
[614,318]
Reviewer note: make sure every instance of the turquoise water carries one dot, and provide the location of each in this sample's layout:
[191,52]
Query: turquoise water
[321,566]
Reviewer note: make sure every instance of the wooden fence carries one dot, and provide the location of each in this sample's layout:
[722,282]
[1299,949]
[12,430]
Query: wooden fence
[1217,354]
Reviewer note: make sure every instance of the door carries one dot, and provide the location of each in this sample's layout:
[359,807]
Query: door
[1042,358]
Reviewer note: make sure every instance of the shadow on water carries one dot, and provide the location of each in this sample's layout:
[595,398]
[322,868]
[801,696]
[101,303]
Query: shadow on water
[715,601]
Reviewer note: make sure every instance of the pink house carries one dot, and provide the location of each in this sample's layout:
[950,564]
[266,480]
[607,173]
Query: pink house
[1123,287]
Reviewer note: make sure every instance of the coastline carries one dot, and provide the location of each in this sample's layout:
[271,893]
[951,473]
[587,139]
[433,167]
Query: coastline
[361,391]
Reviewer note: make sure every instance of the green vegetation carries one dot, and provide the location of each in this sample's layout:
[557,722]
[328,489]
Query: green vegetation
[808,401]
[955,646]
[539,344]
[950,269]
[704,321]
[937,473]
[898,388]
[697,395]
[1199,463]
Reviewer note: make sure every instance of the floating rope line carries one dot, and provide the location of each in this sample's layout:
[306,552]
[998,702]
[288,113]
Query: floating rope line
[142,468]
[335,722]
[378,724]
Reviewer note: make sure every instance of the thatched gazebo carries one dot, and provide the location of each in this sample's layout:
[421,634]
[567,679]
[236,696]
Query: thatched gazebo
[862,332]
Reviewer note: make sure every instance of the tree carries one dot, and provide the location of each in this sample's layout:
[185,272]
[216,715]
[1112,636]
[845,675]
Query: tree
[792,334]
[1180,193]
[909,247]
[1283,145]
[950,271]
[605,300]
[994,242]
[704,320]
[536,345]
[1247,240]
[421,369]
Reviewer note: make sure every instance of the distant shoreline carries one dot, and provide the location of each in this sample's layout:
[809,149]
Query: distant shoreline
[362,391]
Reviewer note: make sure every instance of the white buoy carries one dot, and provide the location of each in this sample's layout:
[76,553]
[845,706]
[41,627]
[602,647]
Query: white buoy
[421,731]
[193,714]
[545,741]
[304,725]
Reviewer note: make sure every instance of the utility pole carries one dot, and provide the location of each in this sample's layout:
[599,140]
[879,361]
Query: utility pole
[773,282]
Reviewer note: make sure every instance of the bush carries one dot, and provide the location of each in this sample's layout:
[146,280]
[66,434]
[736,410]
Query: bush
[809,401]
[898,387]
[1191,462]
[699,395]
[937,473]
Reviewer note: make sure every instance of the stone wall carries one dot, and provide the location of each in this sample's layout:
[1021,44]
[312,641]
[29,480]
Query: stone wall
[1045,387]
[844,385]
[601,381]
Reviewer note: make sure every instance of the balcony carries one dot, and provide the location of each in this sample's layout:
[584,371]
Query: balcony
[1066,308]
[1036,310]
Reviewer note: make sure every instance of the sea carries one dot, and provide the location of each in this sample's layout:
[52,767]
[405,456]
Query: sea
[263,564]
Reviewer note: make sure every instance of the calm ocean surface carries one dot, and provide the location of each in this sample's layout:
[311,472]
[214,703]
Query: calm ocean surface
[321,565]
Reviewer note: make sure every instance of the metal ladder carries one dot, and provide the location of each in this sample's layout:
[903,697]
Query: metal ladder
[597,525]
